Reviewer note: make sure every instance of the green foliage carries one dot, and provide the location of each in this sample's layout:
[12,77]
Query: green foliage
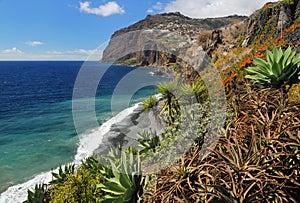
[148,142]
[289,1]
[39,195]
[175,67]
[150,103]
[96,167]
[281,68]
[125,184]
[256,159]
[170,108]
[194,93]
[130,62]
[61,176]
[78,187]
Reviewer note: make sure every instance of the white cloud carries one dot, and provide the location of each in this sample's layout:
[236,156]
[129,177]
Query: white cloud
[13,50]
[157,7]
[34,43]
[85,52]
[107,9]
[214,8]
[150,10]
[77,54]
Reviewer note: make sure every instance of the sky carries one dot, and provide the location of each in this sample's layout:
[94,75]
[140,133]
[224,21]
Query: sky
[80,29]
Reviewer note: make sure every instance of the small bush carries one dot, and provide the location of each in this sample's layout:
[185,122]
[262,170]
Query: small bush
[78,187]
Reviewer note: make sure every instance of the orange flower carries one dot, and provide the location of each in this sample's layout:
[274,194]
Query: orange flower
[248,61]
[259,54]
[298,43]
[264,48]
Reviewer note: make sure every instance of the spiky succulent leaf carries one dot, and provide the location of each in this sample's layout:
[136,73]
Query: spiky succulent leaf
[280,68]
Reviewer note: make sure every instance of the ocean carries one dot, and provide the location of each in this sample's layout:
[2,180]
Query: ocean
[37,131]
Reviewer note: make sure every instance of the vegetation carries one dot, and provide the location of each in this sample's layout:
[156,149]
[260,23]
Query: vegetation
[130,62]
[148,142]
[40,194]
[62,175]
[150,103]
[125,184]
[257,158]
[289,1]
[281,68]
[170,108]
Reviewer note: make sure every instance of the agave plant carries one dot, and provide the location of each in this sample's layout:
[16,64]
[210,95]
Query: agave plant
[62,175]
[38,195]
[148,142]
[281,68]
[125,184]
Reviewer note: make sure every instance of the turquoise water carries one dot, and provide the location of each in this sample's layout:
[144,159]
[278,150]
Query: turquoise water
[37,132]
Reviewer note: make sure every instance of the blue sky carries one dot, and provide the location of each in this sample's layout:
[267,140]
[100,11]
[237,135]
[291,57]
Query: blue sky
[68,29]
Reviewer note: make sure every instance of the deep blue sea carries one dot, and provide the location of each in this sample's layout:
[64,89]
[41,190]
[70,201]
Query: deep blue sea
[37,131]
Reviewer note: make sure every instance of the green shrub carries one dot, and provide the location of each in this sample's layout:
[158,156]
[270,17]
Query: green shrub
[148,142]
[281,68]
[78,187]
[289,1]
[150,103]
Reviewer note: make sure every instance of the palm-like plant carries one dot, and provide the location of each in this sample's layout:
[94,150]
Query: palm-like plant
[170,107]
[281,68]
[194,93]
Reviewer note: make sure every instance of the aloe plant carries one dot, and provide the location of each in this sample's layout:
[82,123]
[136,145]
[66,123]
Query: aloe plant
[281,68]
[125,184]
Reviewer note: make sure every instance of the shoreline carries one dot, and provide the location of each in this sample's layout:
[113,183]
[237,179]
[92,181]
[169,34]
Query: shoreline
[121,128]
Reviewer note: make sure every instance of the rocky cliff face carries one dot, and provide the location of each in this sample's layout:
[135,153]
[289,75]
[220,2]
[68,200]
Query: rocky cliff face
[179,23]
[169,39]
[273,20]
[158,40]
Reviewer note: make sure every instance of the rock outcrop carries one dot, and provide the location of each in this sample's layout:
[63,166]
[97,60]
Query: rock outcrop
[272,20]
[175,33]
[167,39]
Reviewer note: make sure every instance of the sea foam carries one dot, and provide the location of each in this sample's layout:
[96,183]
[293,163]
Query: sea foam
[87,145]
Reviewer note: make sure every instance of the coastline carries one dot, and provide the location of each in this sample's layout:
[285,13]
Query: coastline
[120,129]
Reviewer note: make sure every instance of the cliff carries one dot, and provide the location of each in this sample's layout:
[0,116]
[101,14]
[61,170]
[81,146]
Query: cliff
[172,31]
[169,39]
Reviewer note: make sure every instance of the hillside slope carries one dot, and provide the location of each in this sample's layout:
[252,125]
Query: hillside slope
[275,24]
[175,32]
